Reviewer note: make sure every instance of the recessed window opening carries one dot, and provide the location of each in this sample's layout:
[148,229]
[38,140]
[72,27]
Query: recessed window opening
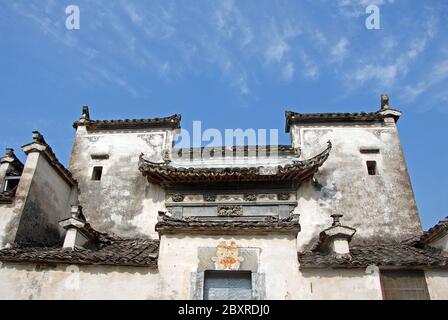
[228,285]
[404,285]
[11,184]
[97,173]
[371,168]
[369,150]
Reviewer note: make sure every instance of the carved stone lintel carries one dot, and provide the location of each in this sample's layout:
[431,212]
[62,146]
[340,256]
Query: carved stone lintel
[250,197]
[230,211]
[210,197]
[177,197]
[283,196]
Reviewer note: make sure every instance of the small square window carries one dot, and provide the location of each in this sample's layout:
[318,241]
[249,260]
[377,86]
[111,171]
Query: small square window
[11,184]
[371,168]
[97,173]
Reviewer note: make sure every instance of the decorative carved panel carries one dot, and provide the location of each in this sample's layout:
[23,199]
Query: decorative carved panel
[230,211]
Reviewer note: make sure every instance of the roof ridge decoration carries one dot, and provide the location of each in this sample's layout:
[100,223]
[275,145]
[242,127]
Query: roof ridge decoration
[172,122]
[384,112]
[298,170]
[169,224]
[40,145]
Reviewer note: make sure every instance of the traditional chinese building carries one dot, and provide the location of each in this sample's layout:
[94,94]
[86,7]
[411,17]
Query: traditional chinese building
[330,216]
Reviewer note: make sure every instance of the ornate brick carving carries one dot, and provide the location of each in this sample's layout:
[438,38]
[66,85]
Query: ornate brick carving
[230,211]
[250,197]
[283,196]
[210,197]
[177,197]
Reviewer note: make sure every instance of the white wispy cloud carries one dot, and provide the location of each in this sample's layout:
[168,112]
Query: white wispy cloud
[339,50]
[288,71]
[390,71]
[436,76]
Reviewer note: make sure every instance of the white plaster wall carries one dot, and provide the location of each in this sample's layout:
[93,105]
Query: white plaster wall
[28,282]
[122,202]
[11,213]
[381,207]
[437,281]
[6,215]
[278,260]
[341,284]
[173,280]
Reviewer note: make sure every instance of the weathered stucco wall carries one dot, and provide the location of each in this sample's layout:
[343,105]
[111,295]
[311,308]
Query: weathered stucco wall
[381,207]
[272,259]
[123,202]
[35,282]
[277,262]
[6,215]
[334,284]
[48,202]
[437,281]
[43,198]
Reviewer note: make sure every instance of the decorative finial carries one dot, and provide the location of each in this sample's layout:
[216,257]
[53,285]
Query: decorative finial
[38,137]
[161,215]
[384,101]
[336,219]
[9,152]
[76,212]
[85,113]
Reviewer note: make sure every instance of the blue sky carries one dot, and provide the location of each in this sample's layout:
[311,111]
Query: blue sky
[230,64]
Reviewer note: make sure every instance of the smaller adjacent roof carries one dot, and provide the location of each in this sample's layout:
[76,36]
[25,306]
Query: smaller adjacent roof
[436,232]
[167,224]
[172,122]
[387,255]
[165,173]
[11,158]
[134,252]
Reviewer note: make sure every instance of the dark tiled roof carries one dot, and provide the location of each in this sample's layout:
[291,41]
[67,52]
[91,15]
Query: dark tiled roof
[115,252]
[168,224]
[164,173]
[170,122]
[295,117]
[434,233]
[393,255]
